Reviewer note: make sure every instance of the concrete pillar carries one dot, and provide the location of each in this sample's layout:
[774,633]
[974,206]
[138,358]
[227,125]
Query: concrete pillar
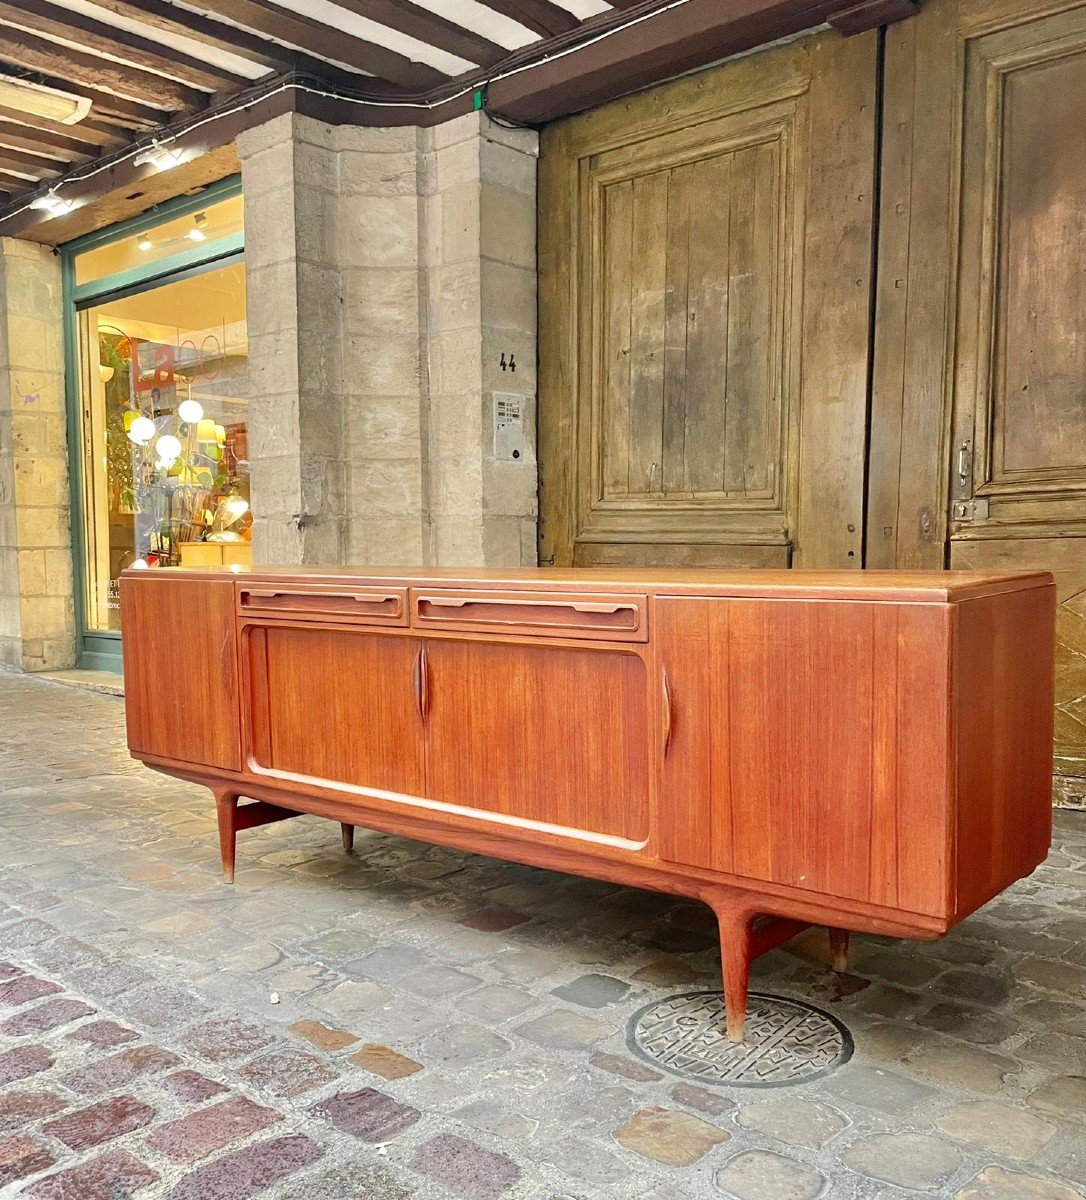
[37,624]
[377,329]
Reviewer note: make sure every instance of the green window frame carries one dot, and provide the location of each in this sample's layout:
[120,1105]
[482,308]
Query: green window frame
[98,649]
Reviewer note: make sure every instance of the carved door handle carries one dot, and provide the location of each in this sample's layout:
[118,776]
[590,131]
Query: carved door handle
[666,689]
[420,679]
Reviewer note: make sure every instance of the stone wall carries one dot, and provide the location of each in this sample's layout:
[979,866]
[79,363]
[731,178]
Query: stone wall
[390,272]
[37,626]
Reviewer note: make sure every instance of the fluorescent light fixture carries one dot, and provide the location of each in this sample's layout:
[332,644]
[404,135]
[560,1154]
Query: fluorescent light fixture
[159,155]
[37,100]
[52,204]
[196,233]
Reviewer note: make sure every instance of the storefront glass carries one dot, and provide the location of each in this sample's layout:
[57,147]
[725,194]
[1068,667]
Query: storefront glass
[163,386]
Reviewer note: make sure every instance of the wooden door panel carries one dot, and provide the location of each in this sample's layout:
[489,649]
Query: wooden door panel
[367,700]
[978,430]
[540,733]
[766,778]
[704,308]
[182,630]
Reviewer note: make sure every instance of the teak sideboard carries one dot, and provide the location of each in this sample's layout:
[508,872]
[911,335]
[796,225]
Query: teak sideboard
[863,750]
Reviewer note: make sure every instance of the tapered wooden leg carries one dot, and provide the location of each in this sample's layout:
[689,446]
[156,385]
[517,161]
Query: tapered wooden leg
[839,939]
[226,804]
[348,836]
[735,956]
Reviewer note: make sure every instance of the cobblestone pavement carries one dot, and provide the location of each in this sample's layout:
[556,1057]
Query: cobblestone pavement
[411,1021]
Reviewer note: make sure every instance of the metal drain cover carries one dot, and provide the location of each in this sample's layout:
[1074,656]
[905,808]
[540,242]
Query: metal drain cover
[785,1041]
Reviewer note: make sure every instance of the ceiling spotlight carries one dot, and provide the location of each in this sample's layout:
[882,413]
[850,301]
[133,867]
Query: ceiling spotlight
[196,233]
[52,204]
[145,243]
[159,155]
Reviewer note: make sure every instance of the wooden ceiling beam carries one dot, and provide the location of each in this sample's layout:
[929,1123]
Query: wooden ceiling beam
[32,160]
[115,110]
[316,38]
[18,168]
[428,27]
[34,53]
[541,16]
[21,137]
[50,20]
[87,135]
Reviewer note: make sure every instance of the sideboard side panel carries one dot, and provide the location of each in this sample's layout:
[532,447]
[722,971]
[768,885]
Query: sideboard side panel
[1005,665]
[181,669]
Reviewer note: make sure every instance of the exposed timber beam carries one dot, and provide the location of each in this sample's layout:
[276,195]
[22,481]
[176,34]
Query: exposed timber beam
[35,164]
[34,53]
[78,138]
[428,27]
[22,137]
[541,16]
[52,21]
[117,110]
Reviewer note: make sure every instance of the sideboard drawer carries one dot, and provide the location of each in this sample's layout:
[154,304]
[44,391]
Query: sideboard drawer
[370,605]
[548,614]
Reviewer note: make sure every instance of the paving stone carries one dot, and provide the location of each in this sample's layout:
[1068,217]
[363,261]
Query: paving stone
[998,1128]
[494,920]
[592,991]
[794,1120]
[563,1030]
[498,1120]
[119,1069]
[888,1043]
[226,1040]
[190,1087]
[103,1035]
[19,1108]
[587,1164]
[464,1168]
[350,1179]
[101,1122]
[909,1160]
[880,1090]
[1057,1050]
[322,1036]
[25,988]
[763,1175]
[900,966]
[997,1183]
[416,972]
[9,970]
[463,1044]
[22,1062]
[674,1138]
[250,1171]
[628,1068]
[666,972]
[383,1061]
[1063,1096]
[1053,976]
[712,1103]
[963,1066]
[191,1138]
[368,1115]
[969,1024]
[21,1156]
[497,1002]
[44,1017]
[286,1073]
[978,986]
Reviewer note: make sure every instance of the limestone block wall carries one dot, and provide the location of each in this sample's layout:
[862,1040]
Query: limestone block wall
[377,329]
[37,624]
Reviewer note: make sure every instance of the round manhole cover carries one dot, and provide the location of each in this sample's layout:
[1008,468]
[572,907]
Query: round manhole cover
[785,1041]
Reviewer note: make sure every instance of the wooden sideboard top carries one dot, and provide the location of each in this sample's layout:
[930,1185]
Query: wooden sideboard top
[916,587]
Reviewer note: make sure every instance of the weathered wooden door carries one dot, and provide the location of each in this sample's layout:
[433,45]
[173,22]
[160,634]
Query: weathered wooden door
[978,436]
[705,291]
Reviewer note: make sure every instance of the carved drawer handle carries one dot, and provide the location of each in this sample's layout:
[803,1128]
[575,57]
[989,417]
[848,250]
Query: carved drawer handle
[584,606]
[667,709]
[365,599]
[420,682]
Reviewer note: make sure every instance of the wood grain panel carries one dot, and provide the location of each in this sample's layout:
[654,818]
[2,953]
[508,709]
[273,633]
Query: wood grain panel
[351,720]
[1004,810]
[181,670]
[699,217]
[766,779]
[554,734]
